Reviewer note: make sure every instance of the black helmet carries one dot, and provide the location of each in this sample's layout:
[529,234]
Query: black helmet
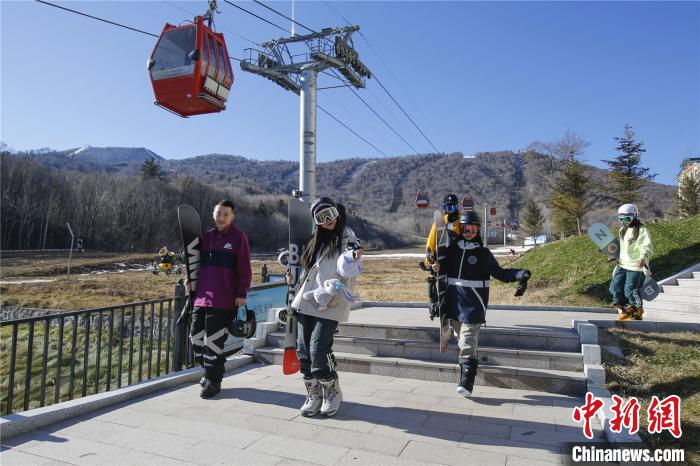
[450,199]
[243,328]
[470,217]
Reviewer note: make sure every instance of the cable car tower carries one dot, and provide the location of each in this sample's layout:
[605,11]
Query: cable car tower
[330,48]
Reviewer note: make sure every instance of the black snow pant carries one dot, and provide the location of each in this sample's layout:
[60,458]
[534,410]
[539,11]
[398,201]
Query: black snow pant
[208,334]
[315,347]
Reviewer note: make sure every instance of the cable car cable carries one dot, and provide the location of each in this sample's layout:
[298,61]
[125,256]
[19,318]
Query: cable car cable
[95,17]
[380,117]
[225,29]
[308,28]
[253,14]
[107,21]
[352,131]
[380,83]
[336,76]
[284,16]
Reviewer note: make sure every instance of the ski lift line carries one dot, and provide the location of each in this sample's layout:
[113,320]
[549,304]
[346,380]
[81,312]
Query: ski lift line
[392,75]
[380,117]
[352,131]
[362,121]
[284,16]
[108,21]
[227,30]
[292,20]
[396,118]
[95,17]
[407,115]
[333,87]
[334,72]
[253,14]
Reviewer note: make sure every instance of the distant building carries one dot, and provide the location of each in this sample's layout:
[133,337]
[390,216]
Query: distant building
[689,167]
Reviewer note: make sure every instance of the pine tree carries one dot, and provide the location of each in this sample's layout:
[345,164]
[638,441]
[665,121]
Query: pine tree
[689,196]
[532,219]
[151,169]
[626,173]
[571,199]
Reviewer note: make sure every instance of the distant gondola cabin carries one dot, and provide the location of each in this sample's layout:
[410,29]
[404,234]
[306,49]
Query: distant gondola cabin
[468,203]
[422,200]
[190,69]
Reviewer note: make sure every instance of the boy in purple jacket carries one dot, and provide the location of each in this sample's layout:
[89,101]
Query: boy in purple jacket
[222,287]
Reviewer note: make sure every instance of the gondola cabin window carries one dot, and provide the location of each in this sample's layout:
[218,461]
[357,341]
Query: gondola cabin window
[172,57]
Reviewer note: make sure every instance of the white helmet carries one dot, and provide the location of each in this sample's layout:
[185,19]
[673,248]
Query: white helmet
[628,209]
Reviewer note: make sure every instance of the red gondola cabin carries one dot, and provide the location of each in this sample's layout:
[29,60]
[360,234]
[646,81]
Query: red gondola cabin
[468,203]
[190,69]
[422,201]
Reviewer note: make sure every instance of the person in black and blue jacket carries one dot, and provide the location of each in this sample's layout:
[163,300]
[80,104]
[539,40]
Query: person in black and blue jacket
[468,266]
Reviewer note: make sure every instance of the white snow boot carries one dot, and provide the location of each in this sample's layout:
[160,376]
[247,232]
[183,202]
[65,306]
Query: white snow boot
[332,396]
[314,398]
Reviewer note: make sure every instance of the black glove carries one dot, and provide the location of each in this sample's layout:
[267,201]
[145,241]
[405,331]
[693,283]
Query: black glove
[522,283]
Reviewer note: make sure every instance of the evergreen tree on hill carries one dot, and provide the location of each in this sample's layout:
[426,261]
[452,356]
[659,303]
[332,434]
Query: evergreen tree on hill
[689,197]
[151,169]
[532,219]
[627,175]
[571,199]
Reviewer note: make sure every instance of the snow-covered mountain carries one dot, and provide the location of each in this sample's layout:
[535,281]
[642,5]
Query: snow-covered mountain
[113,155]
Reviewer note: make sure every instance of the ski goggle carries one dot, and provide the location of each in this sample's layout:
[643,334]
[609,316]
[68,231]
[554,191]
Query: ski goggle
[468,228]
[449,208]
[326,215]
[625,218]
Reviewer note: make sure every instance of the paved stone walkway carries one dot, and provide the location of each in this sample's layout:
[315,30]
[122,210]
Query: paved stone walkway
[255,420]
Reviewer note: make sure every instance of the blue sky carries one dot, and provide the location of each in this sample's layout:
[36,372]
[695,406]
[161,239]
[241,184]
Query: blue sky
[475,76]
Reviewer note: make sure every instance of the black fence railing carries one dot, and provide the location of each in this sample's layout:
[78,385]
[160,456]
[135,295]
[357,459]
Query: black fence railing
[61,356]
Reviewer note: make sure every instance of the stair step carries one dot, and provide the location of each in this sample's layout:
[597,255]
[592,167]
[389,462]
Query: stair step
[681,291]
[429,351]
[673,306]
[552,340]
[689,283]
[670,316]
[696,275]
[548,380]
[677,298]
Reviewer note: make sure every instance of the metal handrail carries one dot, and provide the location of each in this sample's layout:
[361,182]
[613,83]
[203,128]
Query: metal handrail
[111,327]
[141,323]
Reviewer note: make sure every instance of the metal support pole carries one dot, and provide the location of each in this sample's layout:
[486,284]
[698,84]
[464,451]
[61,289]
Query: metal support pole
[307,149]
[179,332]
[504,232]
[70,255]
[486,233]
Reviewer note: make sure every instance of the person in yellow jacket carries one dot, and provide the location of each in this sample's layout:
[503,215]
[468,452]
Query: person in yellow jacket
[628,276]
[450,210]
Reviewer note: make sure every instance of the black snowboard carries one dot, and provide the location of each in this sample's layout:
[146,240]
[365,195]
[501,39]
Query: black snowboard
[300,230]
[191,234]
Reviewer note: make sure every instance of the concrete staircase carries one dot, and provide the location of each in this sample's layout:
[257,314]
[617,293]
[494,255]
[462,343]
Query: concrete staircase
[679,301]
[530,359]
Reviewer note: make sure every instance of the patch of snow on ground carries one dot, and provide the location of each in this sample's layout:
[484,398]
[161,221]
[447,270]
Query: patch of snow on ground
[22,282]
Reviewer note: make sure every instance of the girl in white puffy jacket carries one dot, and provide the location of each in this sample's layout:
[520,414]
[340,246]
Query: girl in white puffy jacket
[332,260]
